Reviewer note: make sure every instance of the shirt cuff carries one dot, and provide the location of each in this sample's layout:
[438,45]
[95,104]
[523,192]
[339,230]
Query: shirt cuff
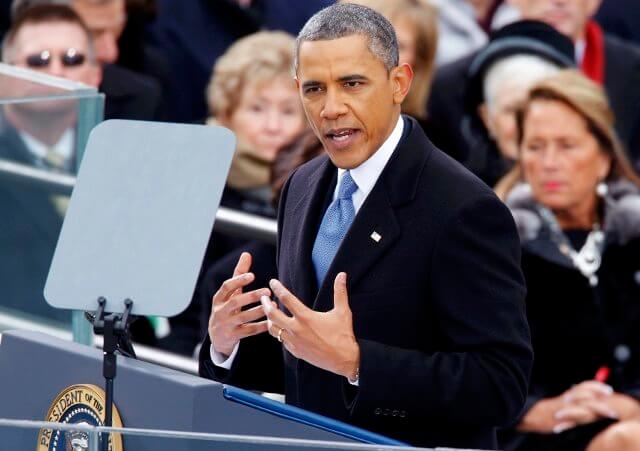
[220,360]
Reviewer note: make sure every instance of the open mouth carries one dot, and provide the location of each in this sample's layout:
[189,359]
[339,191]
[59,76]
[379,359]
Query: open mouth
[342,137]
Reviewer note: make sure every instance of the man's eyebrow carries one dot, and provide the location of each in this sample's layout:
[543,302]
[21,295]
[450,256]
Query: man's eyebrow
[352,77]
[310,84]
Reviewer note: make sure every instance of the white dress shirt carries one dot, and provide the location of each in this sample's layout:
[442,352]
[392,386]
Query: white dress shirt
[39,150]
[366,175]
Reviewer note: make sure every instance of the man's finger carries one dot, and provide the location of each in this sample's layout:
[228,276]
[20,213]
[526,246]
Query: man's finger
[284,336]
[243,265]
[229,286]
[340,296]
[249,315]
[240,300]
[291,302]
[280,319]
[250,329]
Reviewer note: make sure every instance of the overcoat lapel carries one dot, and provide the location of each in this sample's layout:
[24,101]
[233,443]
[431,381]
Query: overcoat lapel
[359,251]
[309,209]
[375,228]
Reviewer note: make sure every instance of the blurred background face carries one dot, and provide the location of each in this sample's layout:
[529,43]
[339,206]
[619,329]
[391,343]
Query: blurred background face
[106,20]
[567,16]
[64,47]
[560,158]
[268,116]
[500,116]
[406,35]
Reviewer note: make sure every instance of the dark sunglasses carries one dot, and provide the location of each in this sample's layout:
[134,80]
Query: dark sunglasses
[70,58]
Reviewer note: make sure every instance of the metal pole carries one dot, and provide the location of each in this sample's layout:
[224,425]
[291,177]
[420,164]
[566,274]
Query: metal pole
[94,441]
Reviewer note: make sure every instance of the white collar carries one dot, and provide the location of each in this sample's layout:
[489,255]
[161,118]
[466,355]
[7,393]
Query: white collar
[366,175]
[64,146]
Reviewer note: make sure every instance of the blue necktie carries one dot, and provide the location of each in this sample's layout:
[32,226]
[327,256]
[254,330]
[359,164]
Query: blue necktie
[335,224]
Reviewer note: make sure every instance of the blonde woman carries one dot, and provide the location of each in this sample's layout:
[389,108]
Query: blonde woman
[252,92]
[578,213]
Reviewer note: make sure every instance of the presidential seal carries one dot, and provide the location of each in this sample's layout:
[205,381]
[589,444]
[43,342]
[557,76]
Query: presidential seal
[77,404]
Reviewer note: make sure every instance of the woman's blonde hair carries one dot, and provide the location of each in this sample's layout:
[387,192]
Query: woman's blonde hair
[252,60]
[424,18]
[587,99]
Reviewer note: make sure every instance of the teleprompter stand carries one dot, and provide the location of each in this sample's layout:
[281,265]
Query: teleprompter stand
[111,252]
[115,329]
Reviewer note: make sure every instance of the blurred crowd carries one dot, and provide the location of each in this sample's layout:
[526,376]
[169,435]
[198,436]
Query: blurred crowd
[538,98]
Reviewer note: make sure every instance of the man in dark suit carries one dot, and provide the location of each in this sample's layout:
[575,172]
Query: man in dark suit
[29,226]
[603,58]
[129,95]
[379,327]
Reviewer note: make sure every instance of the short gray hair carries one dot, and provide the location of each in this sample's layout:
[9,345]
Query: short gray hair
[348,19]
[525,69]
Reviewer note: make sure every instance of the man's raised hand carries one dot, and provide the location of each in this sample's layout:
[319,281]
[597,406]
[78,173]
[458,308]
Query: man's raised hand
[228,323]
[323,339]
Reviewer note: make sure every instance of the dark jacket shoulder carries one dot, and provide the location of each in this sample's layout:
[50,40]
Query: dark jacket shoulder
[130,95]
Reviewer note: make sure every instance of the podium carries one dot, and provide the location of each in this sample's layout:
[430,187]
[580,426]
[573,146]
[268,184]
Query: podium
[35,368]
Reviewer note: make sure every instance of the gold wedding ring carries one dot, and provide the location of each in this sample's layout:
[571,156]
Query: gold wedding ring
[280,335]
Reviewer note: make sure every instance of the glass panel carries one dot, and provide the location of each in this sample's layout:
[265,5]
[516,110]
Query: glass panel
[44,125]
[18,84]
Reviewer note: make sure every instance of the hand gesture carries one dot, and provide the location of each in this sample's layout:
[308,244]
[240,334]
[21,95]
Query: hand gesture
[228,323]
[583,403]
[323,339]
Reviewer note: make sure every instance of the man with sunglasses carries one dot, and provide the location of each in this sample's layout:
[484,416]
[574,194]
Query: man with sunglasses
[50,39]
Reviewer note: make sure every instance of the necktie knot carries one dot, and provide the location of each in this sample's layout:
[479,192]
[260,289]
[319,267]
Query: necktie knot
[54,160]
[347,186]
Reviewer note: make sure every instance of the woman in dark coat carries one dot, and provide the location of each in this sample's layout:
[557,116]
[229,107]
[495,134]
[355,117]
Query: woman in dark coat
[578,214]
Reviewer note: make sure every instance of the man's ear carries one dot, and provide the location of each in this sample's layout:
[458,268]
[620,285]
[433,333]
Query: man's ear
[401,77]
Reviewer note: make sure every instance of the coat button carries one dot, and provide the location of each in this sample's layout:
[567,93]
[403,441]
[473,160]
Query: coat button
[395,413]
[622,353]
[403,414]
[636,277]
[378,411]
[386,412]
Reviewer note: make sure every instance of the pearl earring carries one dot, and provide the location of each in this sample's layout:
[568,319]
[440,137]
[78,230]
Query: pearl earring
[602,189]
